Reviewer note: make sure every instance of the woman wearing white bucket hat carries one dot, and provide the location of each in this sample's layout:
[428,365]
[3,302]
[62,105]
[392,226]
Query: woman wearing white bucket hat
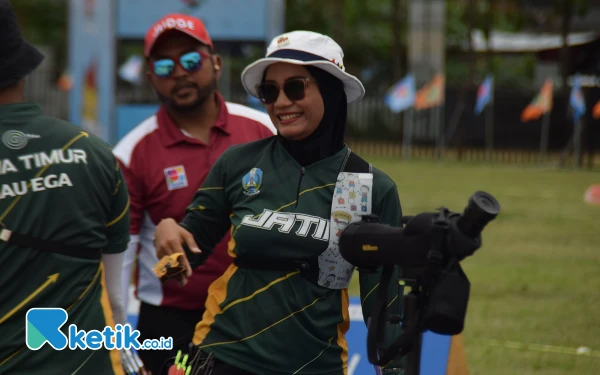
[282,307]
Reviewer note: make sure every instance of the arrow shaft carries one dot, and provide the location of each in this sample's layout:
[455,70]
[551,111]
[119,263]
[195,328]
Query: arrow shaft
[25,301]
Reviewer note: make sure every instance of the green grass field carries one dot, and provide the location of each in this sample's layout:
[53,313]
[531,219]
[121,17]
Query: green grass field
[535,282]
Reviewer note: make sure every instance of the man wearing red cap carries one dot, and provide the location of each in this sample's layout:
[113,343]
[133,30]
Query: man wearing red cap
[165,159]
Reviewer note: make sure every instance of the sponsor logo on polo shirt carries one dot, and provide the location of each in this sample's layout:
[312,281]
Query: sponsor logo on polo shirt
[176,178]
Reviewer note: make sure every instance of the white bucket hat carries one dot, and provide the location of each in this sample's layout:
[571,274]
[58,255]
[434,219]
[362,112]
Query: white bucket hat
[304,48]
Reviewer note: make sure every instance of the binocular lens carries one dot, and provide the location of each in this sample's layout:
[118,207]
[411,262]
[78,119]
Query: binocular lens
[482,209]
[486,203]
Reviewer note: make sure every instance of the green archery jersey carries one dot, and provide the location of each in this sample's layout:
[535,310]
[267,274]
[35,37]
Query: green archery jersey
[60,184]
[277,322]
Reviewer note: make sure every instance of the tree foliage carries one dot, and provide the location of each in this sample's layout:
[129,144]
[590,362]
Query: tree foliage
[45,22]
[372,33]
[363,28]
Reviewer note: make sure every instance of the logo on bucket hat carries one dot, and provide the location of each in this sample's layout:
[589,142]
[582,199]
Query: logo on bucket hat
[283,42]
[304,48]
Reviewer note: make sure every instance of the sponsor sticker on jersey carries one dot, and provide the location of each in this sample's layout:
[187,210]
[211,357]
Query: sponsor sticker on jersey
[176,178]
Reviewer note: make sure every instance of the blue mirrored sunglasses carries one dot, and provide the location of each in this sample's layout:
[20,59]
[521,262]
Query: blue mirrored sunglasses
[191,61]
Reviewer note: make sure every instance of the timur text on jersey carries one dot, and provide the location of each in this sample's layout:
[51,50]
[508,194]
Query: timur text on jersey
[40,161]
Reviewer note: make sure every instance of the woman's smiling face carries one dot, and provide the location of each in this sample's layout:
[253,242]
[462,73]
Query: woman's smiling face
[294,120]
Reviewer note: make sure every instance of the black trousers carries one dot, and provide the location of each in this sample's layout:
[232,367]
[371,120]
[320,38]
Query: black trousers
[222,368]
[155,322]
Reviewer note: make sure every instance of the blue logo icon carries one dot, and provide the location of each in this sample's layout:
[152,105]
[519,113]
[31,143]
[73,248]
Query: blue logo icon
[42,325]
[251,181]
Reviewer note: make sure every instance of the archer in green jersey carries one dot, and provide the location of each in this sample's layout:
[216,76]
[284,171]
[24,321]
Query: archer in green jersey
[277,197]
[64,214]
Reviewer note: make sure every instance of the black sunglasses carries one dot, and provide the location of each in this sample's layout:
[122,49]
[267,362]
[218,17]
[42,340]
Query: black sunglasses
[191,61]
[294,89]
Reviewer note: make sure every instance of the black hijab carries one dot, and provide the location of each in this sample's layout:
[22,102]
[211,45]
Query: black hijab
[328,137]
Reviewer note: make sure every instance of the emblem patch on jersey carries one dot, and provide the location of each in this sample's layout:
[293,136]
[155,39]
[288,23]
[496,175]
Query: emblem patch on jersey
[251,181]
[176,178]
[16,140]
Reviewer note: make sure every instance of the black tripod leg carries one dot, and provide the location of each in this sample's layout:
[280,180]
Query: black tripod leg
[411,321]
[413,358]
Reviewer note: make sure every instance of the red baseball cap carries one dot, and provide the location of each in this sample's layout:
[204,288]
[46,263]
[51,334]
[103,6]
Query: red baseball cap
[180,22]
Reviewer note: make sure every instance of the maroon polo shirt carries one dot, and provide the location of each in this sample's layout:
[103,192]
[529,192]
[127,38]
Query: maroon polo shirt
[163,168]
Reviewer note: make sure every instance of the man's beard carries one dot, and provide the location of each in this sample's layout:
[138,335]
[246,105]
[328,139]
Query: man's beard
[202,95]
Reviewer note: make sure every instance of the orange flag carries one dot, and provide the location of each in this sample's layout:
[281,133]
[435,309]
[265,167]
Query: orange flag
[541,104]
[432,94]
[596,110]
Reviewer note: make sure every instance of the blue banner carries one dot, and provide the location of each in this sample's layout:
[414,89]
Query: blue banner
[92,66]
[231,20]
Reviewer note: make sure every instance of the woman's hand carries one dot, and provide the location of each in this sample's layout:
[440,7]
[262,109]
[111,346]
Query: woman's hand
[169,238]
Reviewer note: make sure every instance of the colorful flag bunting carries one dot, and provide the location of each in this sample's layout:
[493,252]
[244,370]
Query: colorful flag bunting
[540,105]
[432,94]
[484,94]
[596,110]
[401,96]
[576,100]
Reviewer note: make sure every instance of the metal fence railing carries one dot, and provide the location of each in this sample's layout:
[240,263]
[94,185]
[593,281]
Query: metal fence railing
[394,150]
